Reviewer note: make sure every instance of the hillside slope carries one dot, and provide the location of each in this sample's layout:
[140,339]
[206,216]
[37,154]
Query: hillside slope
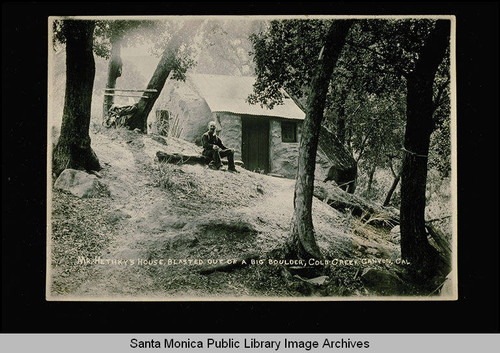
[164,224]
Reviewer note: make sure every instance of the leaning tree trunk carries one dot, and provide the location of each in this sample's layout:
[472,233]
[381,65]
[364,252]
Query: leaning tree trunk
[302,242]
[114,71]
[392,189]
[419,125]
[166,64]
[73,147]
[371,174]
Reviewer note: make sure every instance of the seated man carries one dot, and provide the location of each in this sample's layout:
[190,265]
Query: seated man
[214,149]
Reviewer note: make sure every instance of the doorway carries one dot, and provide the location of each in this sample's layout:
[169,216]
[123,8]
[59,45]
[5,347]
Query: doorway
[255,143]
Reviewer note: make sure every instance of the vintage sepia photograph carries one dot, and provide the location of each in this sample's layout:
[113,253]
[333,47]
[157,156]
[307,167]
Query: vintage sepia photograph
[251,158]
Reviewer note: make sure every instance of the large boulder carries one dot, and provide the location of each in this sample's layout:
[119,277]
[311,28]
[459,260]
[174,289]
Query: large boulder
[80,184]
[381,281]
[343,167]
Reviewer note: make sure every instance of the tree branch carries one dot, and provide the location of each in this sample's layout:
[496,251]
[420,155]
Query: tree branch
[363,145]
[399,71]
[391,167]
[356,45]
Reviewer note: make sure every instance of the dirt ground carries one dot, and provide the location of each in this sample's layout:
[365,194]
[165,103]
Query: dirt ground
[165,224]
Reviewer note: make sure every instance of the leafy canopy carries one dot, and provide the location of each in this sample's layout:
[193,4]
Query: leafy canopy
[368,87]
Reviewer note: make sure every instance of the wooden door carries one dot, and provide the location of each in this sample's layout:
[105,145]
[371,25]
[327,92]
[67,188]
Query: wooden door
[255,143]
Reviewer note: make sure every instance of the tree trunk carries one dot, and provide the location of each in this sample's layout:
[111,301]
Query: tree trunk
[73,147]
[341,118]
[414,243]
[302,242]
[392,189]
[371,173]
[165,66]
[348,139]
[114,71]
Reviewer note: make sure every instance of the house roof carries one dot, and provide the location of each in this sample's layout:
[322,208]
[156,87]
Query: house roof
[229,94]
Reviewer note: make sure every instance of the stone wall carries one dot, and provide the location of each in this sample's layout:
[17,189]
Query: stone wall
[283,155]
[230,131]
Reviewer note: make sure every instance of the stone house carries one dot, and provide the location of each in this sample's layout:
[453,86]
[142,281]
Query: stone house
[266,140]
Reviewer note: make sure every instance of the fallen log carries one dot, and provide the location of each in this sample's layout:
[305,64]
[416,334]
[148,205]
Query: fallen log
[385,217]
[179,158]
[440,241]
[370,212]
[231,265]
[442,244]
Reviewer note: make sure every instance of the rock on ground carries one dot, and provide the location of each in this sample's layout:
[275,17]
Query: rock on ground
[396,234]
[381,281]
[80,184]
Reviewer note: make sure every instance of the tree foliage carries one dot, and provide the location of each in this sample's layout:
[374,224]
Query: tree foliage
[283,55]
[366,102]
[221,47]
[128,31]
[390,50]
[125,32]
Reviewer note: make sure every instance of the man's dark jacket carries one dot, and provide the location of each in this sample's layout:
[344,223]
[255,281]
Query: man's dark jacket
[208,141]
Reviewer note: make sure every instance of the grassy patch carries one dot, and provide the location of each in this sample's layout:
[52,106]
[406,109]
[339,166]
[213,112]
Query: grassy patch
[79,229]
